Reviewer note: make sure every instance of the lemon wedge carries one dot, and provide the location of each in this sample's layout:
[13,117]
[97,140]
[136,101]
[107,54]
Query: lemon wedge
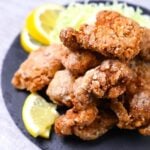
[38,115]
[27,42]
[41,21]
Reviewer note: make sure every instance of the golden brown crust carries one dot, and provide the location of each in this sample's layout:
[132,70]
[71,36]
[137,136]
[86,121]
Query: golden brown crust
[102,124]
[133,109]
[113,35]
[78,62]
[145,46]
[38,69]
[101,82]
[65,123]
[60,89]
[133,113]
[145,130]
[86,124]
[141,76]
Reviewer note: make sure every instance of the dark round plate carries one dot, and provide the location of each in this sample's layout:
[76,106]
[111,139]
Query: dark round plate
[114,140]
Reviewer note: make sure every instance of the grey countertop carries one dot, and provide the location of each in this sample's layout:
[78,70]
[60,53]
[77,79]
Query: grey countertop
[12,14]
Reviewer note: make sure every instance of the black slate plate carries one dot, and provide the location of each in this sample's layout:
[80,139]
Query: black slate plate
[114,140]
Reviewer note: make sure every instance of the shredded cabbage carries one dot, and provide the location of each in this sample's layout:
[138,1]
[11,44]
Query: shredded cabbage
[76,14]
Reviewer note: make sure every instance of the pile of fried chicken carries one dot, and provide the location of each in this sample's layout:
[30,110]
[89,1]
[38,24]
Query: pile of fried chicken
[101,72]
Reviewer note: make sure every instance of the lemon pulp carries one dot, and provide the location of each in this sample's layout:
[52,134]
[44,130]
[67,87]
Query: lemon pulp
[38,115]
[41,22]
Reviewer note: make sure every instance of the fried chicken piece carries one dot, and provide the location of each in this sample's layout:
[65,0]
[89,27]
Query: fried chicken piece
[65,123]
[140,103]
[136,113]
[60,89]
[133,110]
[108,80]
[140,108]
[102,124]
[86,124]
[113,35]
[38,69]
[141,77]
[78,62]
[145,130]
[145,45]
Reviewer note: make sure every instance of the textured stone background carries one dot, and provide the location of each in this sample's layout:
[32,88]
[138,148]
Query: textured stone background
[12,14]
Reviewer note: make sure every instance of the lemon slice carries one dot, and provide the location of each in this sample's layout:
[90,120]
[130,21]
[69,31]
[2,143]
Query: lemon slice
[41,22]
[46,133]
[38,115]
[27,42]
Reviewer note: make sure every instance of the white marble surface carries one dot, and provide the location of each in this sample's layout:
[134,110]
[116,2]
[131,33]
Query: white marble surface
[12,14]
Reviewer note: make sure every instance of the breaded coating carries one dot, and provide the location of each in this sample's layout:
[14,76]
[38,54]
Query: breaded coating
[78,62]
[108,80]
[38,69]
[60,89]
[133,113]
[145,130]
[140,108]
[121,112]
[102,124]
[141,77]
[68,37]
[145,45]
[133,109]
[113,36]
[65,123]
[139,90]
[87,124]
